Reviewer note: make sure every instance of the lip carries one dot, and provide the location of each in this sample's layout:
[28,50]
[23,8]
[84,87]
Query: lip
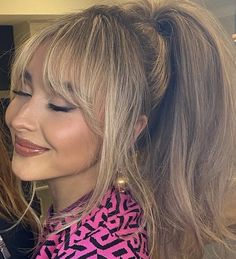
[27,148]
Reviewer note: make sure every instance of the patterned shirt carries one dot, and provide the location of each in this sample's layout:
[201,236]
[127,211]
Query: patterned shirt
[111,230]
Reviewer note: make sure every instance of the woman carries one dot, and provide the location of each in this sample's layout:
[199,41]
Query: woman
[128,113]
[16,237]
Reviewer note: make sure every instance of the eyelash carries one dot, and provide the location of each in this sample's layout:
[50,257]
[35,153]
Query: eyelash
[59,108]
[20,93]
[51,106]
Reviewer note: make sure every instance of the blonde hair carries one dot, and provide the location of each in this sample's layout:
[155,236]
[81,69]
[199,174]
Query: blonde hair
[13,206]
[172,62]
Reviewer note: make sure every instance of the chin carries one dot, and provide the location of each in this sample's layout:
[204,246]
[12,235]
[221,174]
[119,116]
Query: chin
[23,175]
[25,170]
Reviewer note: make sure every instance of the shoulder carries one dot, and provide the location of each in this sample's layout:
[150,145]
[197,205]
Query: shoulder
[124,215]
[112,230]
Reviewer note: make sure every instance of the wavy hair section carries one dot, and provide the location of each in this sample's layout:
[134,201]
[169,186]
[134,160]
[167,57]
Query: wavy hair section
[172,62]
[192,157]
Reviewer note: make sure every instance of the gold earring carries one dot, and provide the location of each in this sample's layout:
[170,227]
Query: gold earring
[121,182]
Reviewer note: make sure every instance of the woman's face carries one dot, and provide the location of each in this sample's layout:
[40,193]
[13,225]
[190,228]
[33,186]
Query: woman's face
[50,136]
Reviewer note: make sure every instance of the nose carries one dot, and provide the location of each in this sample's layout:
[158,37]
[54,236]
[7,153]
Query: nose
[21,116]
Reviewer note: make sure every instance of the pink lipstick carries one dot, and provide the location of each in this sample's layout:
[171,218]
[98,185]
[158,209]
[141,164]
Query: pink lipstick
[27,148]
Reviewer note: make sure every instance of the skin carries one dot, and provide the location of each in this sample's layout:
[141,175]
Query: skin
[70,164]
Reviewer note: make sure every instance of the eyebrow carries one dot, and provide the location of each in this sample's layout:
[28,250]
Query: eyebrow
[27,77]
[69,86]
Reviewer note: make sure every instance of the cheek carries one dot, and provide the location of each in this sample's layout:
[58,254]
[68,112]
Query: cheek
[73,139]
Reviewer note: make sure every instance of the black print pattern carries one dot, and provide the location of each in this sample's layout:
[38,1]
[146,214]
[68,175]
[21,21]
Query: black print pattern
[111,230]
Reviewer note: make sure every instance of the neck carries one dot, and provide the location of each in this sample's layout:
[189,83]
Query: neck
[67,190]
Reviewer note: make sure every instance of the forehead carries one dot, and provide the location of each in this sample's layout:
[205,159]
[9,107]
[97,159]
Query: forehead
[38,59]
[33,74]
[37,70]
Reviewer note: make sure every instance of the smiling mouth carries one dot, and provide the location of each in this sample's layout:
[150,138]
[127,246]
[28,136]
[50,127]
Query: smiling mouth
[27,148]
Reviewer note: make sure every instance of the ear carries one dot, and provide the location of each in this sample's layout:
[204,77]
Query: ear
[140,126]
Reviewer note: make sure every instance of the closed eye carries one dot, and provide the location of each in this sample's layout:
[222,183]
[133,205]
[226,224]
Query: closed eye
[21,93]
[60,108]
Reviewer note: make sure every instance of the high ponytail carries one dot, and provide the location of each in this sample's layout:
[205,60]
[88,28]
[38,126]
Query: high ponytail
[192,128]
[168,62]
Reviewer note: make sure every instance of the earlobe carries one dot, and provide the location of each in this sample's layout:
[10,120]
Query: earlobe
[140,126]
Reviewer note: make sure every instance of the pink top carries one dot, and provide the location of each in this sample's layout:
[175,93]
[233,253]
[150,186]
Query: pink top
[111,230]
